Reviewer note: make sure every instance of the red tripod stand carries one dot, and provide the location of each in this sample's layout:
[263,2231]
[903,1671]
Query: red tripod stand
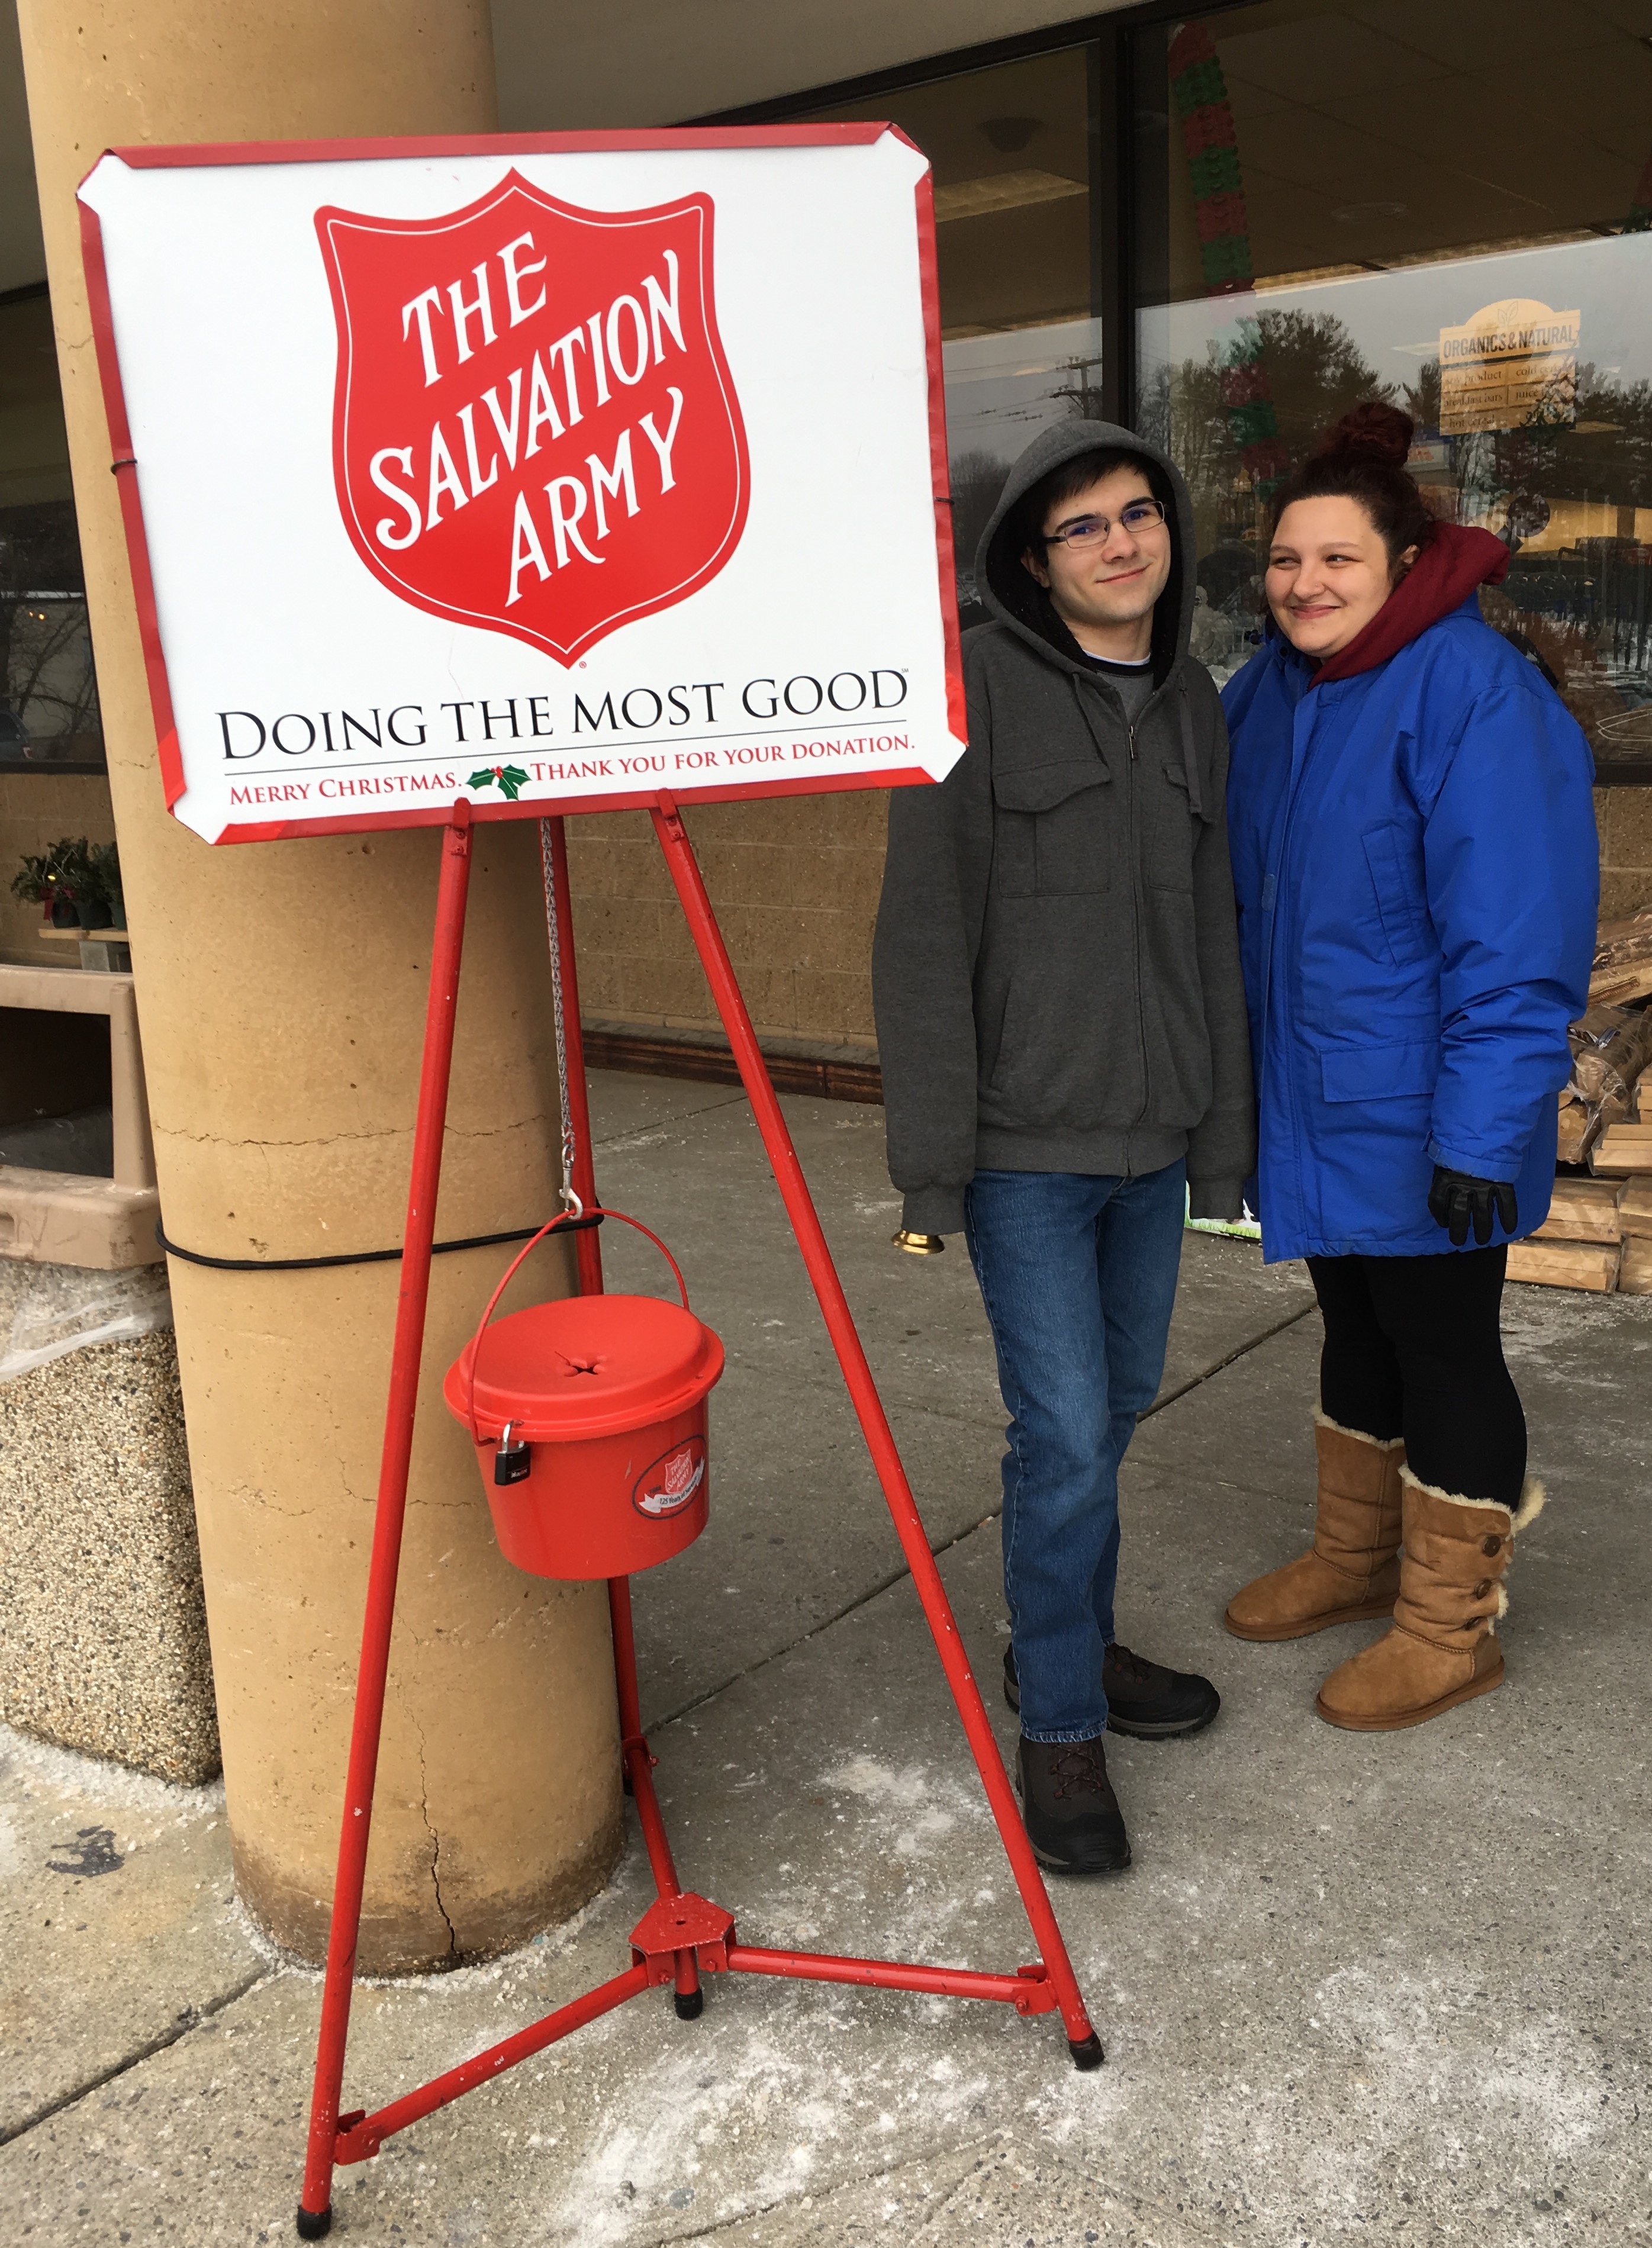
[681,1936]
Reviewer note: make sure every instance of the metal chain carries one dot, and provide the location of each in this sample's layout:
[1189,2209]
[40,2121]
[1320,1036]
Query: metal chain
[547,864]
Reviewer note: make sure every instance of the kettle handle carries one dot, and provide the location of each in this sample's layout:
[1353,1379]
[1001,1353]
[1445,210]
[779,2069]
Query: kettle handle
[562,1217]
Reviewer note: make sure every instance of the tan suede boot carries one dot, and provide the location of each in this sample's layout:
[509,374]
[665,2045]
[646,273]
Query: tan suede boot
[1442,1648]
[1349,1572]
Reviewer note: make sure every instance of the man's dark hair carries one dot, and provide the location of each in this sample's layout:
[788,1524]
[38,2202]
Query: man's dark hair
[1067,481]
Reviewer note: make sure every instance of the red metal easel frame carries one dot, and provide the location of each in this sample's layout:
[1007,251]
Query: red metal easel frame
[681,1936]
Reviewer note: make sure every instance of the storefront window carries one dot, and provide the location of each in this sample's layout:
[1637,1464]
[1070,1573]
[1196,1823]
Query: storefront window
[1013,150]
[1450,209]
[48,690]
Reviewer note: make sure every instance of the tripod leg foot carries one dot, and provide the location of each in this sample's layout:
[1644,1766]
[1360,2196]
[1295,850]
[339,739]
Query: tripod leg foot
[690,2005]
[1086,2052]
[314,2224]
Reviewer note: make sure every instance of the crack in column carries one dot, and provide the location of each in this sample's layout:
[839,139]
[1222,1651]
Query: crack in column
[435,1846]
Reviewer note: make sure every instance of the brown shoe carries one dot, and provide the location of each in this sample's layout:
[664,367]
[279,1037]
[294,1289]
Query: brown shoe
[1442,1648]
[1350,1571]
[1068,1807]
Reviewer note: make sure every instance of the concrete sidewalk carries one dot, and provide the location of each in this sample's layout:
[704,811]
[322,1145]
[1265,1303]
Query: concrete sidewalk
[1353,1988]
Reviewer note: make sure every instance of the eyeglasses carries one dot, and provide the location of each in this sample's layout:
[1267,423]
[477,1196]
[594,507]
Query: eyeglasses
[1091,529]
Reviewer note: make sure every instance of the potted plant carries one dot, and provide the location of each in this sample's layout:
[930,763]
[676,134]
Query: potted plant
[47,878]
[33,884]
[83,881]
[92,907]
[106,869]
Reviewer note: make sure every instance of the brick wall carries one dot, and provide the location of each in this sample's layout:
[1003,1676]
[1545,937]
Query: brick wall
[1624,817]
[794,881]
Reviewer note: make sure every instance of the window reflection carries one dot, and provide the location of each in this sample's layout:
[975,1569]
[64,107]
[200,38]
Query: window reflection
[1012,151]
[48,689]
[1360,201]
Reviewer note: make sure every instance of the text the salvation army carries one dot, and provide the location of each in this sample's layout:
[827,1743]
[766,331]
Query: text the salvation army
[543,400]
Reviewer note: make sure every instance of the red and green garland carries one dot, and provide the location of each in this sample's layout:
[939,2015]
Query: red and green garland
[1211,145]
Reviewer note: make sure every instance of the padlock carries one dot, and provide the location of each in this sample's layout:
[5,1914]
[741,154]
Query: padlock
[513,1462]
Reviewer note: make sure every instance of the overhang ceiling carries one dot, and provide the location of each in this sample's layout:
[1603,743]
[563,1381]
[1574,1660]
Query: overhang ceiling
[657,62]
[630,62]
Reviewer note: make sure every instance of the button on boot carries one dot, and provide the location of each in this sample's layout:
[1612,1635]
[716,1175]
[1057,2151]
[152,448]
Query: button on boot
[1071,1813]
[1442,1648]
[1350,1571]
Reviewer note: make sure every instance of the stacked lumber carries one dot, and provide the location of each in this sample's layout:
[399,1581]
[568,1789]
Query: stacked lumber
[1623,1150]
[1622,960]
[1579,1243]
[1597,1235]
[1634,1210]
[1610,1048]
[1583,1210]
[1567,1265]
[1578,1130]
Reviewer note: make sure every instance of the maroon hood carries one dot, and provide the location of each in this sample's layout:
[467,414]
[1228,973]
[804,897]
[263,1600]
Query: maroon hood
[1453,563]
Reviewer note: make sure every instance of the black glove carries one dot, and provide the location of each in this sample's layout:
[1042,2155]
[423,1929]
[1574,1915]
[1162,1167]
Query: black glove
[1455,1197]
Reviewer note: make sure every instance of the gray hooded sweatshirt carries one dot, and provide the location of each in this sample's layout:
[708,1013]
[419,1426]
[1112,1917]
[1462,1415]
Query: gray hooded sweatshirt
[1055,968]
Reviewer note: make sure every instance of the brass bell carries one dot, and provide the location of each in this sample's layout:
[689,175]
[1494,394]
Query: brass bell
[918,1245]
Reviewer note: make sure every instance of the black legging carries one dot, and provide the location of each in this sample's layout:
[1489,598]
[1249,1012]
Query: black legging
[1413,1348]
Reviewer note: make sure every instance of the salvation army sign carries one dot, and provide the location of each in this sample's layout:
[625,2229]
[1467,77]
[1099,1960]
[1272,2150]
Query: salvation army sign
[549,472]
[559,559]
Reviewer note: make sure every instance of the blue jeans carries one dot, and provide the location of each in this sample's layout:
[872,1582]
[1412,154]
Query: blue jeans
[1077,1275]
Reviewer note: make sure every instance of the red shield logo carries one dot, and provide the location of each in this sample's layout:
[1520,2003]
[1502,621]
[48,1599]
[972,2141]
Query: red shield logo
[666,1487]
[534,427]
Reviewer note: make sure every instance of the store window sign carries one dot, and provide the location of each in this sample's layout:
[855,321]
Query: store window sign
[1513,366]
[549,472]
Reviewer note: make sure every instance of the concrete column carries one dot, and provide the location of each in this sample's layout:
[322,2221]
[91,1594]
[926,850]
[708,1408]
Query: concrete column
[281,990]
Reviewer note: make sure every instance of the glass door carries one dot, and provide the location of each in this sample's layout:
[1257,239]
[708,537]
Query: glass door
[1445,205]
[48,690]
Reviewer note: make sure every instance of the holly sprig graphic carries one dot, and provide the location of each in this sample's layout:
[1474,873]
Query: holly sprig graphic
[509,778]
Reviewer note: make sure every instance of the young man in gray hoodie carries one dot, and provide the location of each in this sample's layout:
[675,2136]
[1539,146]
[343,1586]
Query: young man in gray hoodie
[1062,1030]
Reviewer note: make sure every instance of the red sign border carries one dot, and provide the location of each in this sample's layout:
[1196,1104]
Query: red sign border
[125,467]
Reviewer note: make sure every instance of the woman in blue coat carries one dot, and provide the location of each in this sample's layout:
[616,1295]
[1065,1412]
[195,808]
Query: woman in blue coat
[1414,857]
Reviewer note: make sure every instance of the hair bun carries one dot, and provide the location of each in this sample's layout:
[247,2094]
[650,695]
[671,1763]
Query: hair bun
[1373,431]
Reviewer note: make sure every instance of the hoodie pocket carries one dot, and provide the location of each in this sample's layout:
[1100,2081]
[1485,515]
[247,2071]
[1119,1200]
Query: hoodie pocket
[1065,1056]
[1050,829]
[1171,826]
[1394,861]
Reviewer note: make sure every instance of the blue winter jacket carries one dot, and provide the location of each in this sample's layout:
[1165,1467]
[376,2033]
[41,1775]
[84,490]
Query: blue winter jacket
[1417,872]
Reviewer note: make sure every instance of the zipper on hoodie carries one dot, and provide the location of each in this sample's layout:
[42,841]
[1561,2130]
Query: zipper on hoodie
[1135,925]
[1136,929]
